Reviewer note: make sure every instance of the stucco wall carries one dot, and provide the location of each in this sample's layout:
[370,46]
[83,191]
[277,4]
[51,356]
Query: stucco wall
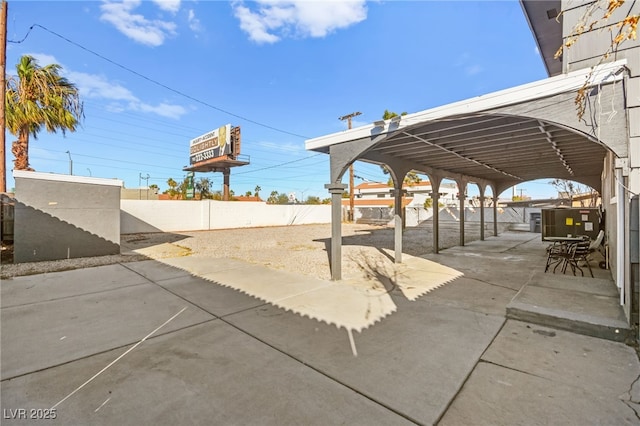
[180,215]
[589,50]
[62,216]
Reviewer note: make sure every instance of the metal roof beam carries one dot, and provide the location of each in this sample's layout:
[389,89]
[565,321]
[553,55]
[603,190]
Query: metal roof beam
[479,130]
[465,158]
[554,145]
[467,144]
[533,151]
[376,158]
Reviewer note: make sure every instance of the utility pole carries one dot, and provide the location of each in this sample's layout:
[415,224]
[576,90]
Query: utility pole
[70,163]
[3,73]
[140,179]
[348,117]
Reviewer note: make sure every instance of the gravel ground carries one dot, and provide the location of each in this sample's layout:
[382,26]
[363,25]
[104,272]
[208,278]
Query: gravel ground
[302,249]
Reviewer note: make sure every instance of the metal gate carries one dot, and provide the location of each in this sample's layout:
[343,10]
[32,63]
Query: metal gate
[7,209]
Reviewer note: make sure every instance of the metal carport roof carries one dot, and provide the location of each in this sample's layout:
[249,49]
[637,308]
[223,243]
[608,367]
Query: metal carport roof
[523,133]
[492,138]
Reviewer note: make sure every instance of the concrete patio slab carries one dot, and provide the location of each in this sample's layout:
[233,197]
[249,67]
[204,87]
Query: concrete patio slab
[505,241]
[508,262]
[352,304]
[45,334]
[472,294]
[538,375]
[207,374]
[565,357]
[412,362]
[513,272]
[212,297]
[259,281]
[595,286]
[494,395]
[571,305]
[43,287]
[450,356]
[156,271]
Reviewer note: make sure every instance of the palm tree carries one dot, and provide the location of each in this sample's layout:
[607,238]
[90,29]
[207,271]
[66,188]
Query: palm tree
[257,191]
[38,97]
[388,115]
[203,185]
[273,198]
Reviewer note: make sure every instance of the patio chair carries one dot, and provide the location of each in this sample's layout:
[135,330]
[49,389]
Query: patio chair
[556,254]
[579,252]
[595,244]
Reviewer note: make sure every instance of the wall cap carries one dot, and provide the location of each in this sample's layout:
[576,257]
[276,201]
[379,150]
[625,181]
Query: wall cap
[24,174]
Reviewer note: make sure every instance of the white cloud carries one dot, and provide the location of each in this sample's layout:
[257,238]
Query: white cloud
[254,25]
[162,109]
[136,26]
[98,87]
[43,59]
[168,5]
[93,86]
[194,23]
[271,20]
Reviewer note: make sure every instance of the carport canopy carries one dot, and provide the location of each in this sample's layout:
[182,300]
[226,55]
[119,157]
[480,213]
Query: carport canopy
[495,140]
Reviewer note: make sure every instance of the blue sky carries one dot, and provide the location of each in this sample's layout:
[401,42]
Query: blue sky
[155,74]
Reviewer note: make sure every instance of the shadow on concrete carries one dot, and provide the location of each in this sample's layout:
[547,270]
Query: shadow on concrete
[56,239]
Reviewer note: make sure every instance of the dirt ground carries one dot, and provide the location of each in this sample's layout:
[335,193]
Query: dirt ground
[300,249]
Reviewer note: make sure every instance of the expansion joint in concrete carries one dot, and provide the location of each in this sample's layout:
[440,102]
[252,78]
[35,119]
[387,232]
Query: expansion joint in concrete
[492,284]
[288,355]
[513,369]
[28,373]
[466,379]
[519,244]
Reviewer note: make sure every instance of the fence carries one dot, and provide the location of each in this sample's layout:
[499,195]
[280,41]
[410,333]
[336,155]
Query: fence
[7,208]
[168,216]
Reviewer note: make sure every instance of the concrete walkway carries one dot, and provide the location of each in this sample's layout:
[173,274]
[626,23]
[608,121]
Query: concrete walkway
[148,343]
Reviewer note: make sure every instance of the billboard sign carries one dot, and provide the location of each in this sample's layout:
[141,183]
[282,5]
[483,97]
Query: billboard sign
[211,145]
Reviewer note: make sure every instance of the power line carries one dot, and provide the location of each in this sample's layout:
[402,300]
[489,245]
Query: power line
[172,90]
[35,157]
[164,86]
[113,159]
[278,165]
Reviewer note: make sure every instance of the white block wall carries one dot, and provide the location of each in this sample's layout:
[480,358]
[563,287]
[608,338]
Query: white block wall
[168,216]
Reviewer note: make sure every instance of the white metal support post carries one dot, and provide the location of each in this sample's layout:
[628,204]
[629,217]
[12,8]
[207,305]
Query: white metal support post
[620,234]
[336,190]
